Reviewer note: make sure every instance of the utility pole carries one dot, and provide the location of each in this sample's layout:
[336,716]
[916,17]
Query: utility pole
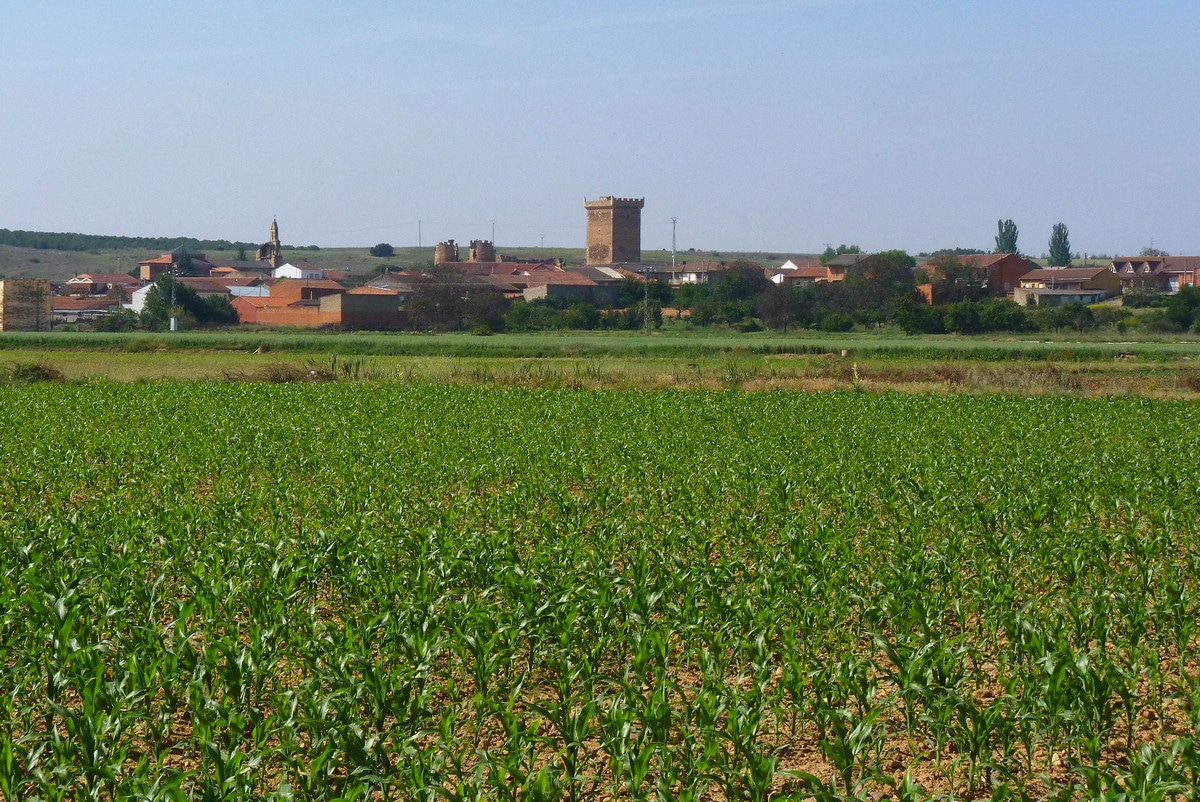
[673,220]
[418,233]
[174,278]
[646,298]
[493,232]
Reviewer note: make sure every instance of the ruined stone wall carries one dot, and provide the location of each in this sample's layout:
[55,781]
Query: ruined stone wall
[614,230]
[25,304]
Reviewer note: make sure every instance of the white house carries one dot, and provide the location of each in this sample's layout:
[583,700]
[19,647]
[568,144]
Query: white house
[799,272]
[137,299]
[290,270]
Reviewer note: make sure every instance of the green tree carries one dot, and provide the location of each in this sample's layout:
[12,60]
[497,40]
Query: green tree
[952,281]
[1002,315]
[963,318]
[832,252]
[382,250]
[633,292]
[190,307]
[482,307]
[1181,308]
[779,306]
[875,284]
[918,318]
[1006,236]
[185,266]
[435,306]
[1060,246]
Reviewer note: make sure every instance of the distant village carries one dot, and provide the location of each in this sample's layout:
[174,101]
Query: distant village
[478,288]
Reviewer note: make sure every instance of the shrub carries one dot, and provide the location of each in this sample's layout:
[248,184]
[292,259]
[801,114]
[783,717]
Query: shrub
[32,372]
[836,321]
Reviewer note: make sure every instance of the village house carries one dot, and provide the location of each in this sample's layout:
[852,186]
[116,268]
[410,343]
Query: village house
[838,265]
[170,262]
[403,284]
[305,272]
[1002,272]
[700,271]
[205,288]
[798,272]
[319,304]
[999,273]
[1057,286]
[1156,273]
[101,284]
[242,268]
[81,309]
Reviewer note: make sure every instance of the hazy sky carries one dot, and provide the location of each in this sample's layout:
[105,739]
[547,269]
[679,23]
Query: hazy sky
[777,126]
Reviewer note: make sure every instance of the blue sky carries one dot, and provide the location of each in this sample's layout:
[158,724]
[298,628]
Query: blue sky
[775,126]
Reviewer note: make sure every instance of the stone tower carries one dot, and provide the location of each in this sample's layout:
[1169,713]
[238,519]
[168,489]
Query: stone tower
[614,230]
[482,250]
[25,304]
[445,253]
[271,251]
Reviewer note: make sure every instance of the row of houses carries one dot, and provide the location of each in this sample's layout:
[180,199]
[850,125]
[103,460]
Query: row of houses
[299,295]
[276,293]
[1007,275]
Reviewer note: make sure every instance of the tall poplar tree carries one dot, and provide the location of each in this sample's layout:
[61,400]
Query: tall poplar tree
[1060,246]
[1006,236]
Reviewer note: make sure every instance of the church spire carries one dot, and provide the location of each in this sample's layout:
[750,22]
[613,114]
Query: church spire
[272,251]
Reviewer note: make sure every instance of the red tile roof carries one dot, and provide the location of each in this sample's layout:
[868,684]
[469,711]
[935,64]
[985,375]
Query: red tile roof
[62,302]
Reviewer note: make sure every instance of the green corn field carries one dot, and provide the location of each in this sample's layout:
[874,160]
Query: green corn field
[413,591]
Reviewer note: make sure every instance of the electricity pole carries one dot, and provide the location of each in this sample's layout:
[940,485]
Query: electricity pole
[646,299]
[174,277]
[673,219]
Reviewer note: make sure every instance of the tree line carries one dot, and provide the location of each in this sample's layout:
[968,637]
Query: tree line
[62,241]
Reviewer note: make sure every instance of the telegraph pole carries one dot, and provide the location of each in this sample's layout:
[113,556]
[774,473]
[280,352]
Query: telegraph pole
[646,298]
[673,220]
[174,278]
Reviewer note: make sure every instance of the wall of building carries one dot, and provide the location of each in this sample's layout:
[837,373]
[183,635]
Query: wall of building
[341,311]
[25,304]
[600,296]
[1005,275]
[362,311]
